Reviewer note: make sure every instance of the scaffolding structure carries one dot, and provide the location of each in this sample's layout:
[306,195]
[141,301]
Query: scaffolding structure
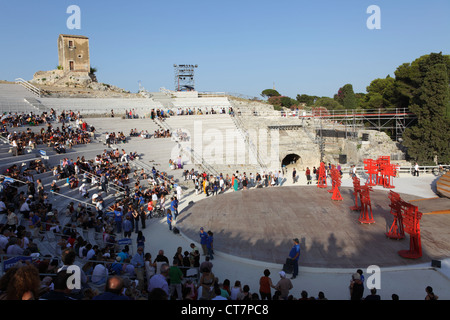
[184,77]
[350,121]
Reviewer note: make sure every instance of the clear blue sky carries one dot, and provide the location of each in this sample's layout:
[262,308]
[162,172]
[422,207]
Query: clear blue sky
[246,46]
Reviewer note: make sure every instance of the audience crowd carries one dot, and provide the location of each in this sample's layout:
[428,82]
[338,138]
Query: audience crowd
[110,268]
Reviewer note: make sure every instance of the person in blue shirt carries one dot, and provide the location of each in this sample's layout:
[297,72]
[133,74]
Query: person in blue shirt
[174,206]
[210,245]
[203,240]
[118,219]
[294,254]
[138,262]
[169,219]
[117,267]
[127,227]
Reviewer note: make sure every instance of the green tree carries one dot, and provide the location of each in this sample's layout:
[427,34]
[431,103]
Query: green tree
[380,93]
[346,97]
[306,99]
[328,103]
[268,93]
[287,102]
[429,96]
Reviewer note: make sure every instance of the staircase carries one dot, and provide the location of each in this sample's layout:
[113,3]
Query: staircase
[33,89]
[443,185]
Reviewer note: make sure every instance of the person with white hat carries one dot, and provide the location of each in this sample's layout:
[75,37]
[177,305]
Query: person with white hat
[284,285]
[83,191]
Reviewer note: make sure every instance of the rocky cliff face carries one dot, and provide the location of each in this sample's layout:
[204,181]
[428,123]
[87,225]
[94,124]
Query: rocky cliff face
[60,83]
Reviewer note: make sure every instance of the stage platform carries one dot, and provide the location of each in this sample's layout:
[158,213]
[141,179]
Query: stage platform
[259,224]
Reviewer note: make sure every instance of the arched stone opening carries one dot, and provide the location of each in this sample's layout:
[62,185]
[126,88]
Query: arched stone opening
[291,158]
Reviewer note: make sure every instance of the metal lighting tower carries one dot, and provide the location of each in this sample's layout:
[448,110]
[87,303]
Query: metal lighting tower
[184,77]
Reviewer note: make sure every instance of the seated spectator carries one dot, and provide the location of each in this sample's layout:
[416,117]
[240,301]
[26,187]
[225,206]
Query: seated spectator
[73,182]
[54,187]
[113,290]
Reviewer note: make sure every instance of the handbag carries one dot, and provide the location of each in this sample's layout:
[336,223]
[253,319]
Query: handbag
[288,266]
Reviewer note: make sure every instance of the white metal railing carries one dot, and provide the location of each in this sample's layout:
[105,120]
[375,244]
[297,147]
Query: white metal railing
[195,158]
[211,94]
[29,86]
[436,170]
[240,126]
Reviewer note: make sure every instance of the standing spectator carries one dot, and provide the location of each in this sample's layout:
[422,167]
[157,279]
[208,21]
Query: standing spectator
[353,171]
[143,217]
[284,285]
[124,157]
[203,240]
[308,175]
[416,170]
[140,240]
[12,221]
[294,255]
[356,287]
[179,256]
[210,245]
[118,220]
[265,284]
[150,267]
[127,227]
[139,264]
[206,285]
[174,206]
[159,281]
[169,219]
[103,182]
[294,175]
[135,219]
[175,276]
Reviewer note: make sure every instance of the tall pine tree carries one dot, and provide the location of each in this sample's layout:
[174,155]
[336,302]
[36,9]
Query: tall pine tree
[428,142]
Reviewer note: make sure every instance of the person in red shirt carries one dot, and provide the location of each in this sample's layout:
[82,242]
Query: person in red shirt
[308,175]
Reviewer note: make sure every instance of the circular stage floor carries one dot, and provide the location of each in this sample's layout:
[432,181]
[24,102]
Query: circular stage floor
[260,224]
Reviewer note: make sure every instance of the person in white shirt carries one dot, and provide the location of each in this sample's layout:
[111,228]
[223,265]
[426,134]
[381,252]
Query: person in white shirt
[83,191]
[25,208]
[90,253]
[416,170]
[179,192]
[354,171]
[124,157]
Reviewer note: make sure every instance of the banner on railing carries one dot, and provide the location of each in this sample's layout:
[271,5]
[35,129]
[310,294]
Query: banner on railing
[7,264]
[124,241]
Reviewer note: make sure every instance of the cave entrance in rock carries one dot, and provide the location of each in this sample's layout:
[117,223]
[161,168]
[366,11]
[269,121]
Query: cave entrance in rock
[290,159]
